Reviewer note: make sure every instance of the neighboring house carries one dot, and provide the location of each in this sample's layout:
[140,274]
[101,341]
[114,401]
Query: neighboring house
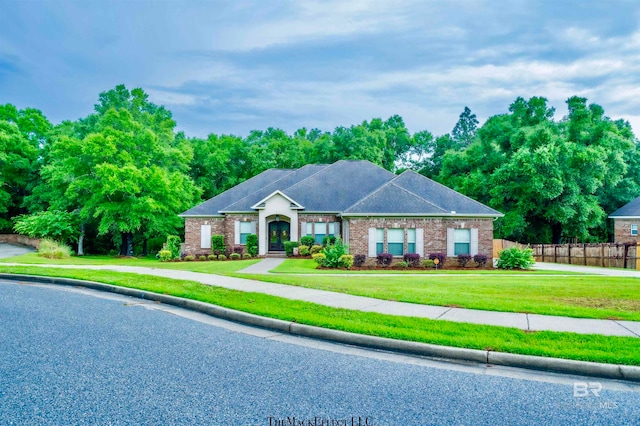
[625,222]
[372,209]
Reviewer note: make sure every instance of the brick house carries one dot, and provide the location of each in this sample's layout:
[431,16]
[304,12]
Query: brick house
[625,222]
[373,211]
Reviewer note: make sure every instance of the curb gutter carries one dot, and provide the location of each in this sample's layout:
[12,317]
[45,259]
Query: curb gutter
[584,368]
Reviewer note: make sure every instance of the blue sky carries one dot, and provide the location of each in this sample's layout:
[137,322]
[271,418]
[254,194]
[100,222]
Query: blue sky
[234,66]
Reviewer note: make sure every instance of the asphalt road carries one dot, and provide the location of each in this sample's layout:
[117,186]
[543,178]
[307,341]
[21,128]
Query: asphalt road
[71,356]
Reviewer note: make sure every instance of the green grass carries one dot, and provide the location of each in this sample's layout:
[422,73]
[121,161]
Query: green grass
[581,296]
[608,349]
[211,267]
[308,266]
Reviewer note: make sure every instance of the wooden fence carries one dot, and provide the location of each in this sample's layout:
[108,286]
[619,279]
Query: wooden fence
[608,255]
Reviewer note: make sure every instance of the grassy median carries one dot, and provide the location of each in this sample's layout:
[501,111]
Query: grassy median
[617,350]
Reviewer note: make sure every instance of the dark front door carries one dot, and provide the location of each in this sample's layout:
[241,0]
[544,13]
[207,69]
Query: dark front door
[278,234]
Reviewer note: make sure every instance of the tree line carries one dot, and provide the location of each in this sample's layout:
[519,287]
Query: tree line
[118,177]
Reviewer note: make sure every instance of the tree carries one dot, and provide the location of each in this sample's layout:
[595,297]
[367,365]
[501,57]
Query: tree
[127,171]
[551,179]
[22,137]
[58,225]
[465,129]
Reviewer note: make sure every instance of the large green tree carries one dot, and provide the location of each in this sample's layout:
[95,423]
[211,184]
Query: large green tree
[23,136]
[554,181]
[124,169]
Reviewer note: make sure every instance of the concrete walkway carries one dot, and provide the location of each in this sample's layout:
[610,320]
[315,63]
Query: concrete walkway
[611,272]
[10,250]
[529,322]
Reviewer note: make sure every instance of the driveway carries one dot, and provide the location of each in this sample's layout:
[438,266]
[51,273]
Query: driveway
[612,272]
[75,357]
[10,250]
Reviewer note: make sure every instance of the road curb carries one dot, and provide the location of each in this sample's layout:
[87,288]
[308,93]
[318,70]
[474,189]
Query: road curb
[584,368]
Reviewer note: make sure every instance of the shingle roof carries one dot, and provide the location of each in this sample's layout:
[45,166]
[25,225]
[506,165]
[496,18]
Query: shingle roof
[631,209]
[348,187]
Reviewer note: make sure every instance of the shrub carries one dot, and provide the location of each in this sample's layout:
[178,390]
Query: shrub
[289,246]
[319,258]
[217,244]
[345,261]
[333,253]
[303,250]
[402,265]
[359,259]
[442,258]
[53,250]
[202,258]
[307,241]
[428,263]
[238,249]
[480,259]
[516,258]
[212,257]
[165,255]
[246,256]
[329,240]
[222,257]
[252,245]
[384,259]
[189,258]
[315,249]
[235,256]
[173,245]
[412,259]
[463,259]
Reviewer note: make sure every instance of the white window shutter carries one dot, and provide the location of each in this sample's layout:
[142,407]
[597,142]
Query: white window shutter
[205,236]
[474,242]
[450,242]
[303,228]
[372,242]
[253,226]
[420,241]
[236,232]
[337,228]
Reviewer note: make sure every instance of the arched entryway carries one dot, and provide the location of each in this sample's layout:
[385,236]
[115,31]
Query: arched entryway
[279,233]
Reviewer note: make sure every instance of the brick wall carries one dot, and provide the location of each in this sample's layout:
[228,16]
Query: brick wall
[19,239]
[219,226]
[435,232]
[622,230]
[192,233]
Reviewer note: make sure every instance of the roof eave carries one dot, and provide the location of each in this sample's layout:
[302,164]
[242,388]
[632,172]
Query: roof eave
[201,215]
[447,215]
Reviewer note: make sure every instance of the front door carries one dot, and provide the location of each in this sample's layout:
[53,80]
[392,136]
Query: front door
[278,235]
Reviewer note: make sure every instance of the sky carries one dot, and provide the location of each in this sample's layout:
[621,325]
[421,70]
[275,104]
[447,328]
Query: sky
[229,67]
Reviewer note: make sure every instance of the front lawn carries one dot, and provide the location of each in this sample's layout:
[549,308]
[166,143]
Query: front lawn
[608,349]
[581,296]
[210,267]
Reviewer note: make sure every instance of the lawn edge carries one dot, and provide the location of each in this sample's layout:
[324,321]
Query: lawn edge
[565,366]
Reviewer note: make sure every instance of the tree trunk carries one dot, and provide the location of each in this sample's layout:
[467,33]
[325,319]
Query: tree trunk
[126,247]
[144,247]
[81,241]
[556,233]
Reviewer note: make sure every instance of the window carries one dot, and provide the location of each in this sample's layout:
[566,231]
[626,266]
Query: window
[395,241]
[320,231]
[634,229]
[245,230]
[309,230]
[411,240]
[379,240]
[332,228]
[462,241]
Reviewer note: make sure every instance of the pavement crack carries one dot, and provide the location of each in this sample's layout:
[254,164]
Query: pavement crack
[443,314]
[627,328]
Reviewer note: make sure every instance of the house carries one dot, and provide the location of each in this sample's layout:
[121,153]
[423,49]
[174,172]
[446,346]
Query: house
[625,222]
[372,209]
